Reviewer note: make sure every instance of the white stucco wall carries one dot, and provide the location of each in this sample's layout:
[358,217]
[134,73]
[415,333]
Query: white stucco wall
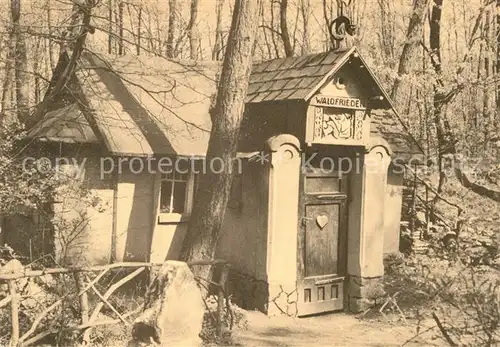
[83,231]
[134,215]
[243,240]
[392,213]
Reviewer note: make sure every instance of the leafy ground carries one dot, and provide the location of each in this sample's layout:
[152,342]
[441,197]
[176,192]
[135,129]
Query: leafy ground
[332,330]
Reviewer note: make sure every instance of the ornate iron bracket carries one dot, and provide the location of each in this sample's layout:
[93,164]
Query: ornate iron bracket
[342,25]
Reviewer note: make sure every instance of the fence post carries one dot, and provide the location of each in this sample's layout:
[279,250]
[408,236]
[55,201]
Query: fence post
[413,205]
[220,299]
[14,314]
[83,298]
[427,212]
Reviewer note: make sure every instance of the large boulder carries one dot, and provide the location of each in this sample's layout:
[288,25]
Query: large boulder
[173,309]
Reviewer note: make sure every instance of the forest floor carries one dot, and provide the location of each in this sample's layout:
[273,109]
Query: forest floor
[342,330]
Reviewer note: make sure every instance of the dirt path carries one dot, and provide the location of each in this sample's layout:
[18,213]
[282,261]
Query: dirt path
[330,330]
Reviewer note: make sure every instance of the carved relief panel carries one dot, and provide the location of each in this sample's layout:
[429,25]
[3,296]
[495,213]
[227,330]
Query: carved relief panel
[331,124]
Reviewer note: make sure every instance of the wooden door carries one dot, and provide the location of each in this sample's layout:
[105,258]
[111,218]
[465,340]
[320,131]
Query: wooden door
[322,245]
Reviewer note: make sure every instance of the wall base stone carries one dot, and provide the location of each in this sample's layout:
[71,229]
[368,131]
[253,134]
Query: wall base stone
[250,293]
[364,293]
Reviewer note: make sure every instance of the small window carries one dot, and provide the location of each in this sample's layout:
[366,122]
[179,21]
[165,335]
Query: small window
[322,184]
[176,193]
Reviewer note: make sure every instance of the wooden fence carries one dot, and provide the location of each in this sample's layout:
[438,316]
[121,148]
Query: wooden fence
[84,284]
[428,201]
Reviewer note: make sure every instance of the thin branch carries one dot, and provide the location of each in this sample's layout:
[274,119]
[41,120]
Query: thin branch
[103,299]
[443,330]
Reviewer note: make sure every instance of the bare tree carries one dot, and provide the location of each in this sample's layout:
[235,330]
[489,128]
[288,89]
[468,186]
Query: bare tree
[110,26]
[212,197]
[194,40]
[497,72]
[273,31]
[72,45]
[139,29]
[305,10]
[218,45]
[267,42]
[172,8]
[387,30]
[443,95]
[412,42]
[120,27]
[285,35]
[20,63]
[49,26]
[7,74]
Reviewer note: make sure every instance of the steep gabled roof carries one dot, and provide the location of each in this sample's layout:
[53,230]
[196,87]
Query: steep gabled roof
[138,105]
[290,78]
[299,78]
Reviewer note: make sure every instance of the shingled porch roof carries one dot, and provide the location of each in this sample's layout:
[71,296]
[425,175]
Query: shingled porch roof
[299,78]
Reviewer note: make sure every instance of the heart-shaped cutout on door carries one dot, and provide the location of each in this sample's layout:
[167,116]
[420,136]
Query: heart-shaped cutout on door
[322,220]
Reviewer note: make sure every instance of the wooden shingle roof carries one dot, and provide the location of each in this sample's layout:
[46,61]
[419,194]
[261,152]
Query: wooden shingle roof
[387,125]
[291,78]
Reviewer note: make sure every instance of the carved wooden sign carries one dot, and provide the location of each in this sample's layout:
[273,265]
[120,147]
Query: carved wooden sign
[338,125]
[338,101]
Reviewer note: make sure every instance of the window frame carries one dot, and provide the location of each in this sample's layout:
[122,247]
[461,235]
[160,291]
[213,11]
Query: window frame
[191,184]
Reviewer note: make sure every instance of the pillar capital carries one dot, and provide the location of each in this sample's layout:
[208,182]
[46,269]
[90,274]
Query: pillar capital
[378,144]
[274,143]
[284,149]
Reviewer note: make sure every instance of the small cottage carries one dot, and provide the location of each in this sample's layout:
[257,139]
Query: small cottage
[316,200]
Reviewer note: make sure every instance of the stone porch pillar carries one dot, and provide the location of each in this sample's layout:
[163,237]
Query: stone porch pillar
[366,233]
[284,174]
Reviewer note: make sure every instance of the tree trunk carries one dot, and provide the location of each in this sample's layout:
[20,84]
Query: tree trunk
[444,133]
[36,68]
[217,50]
[20,63]
[386,35]
[110,26]
[412,41]
[120,27]
[211,200]
[73,43]
[194,40]
[435,54]
[487,112]
[7,82]
[172,8]
[274,32]
[498,56]
[139,30]
[49,25]
[329,40]
[285,36]
[267,42]
[305,10]
[435,34]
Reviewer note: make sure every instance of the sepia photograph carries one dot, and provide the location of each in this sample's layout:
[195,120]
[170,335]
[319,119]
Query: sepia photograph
[261,173]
